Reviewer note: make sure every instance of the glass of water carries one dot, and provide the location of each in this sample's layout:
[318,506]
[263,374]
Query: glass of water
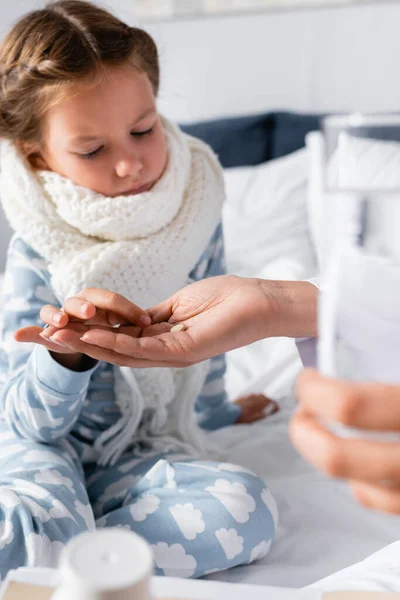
[359,307]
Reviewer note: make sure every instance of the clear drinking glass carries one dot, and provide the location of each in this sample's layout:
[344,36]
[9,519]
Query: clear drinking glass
[359,309]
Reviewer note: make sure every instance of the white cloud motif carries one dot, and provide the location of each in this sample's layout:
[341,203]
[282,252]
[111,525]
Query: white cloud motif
[260,551]
[54,477]
[12,450]
[235,498]
[40,418]
[60,511]
[6,533]
[86,512]
[17,304]
[189,520]
[50,399]
[231,542]
[41,552]
[270,503]
[8,498]
[173,560]
[28,488]
[15,470]
[44,456]
[145,506]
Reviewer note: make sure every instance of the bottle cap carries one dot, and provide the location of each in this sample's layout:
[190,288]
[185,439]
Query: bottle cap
[110,563]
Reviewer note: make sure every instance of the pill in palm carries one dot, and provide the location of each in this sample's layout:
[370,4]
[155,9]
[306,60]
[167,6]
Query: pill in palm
[179,327]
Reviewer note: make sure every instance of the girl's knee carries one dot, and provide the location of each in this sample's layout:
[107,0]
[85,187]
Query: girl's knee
[203,517]
[34,530]
[247,518]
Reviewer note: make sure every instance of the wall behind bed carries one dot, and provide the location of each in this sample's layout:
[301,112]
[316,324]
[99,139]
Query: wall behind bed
[311,60]
[315,59]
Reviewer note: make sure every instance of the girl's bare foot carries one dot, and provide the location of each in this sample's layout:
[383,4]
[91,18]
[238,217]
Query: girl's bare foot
[255,407]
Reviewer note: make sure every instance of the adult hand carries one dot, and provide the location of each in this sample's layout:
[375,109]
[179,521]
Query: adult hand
[219,314]
[371,467]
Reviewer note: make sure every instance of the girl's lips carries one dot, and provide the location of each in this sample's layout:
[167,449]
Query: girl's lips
[138,190]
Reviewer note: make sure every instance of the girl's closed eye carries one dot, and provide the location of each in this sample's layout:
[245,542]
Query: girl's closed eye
[90,154]
[142,133]
[93,153]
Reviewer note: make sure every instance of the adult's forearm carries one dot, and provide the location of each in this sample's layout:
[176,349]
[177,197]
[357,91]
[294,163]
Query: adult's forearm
[291,308]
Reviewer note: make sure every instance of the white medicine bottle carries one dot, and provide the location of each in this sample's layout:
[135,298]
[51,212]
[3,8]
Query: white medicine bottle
[107,564]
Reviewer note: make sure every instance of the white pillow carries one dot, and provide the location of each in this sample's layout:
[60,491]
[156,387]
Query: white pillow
[266,234]
[265,219]
[358,162]
[368,163]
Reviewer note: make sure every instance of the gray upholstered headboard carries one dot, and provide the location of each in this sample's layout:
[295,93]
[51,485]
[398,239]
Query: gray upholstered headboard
[240,141]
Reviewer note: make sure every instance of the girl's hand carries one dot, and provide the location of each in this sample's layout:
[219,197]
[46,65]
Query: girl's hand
[65,356]
[95,307]
[90,307]
[371,467]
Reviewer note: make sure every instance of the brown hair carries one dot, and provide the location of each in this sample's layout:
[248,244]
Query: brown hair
[67,42]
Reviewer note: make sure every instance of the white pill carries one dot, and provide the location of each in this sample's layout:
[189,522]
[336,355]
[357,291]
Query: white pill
[179,327]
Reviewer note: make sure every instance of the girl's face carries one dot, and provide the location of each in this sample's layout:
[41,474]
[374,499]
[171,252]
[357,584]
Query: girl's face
[107,137]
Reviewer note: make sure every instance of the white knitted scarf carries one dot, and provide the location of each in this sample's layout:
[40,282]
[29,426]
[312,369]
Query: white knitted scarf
[142,247]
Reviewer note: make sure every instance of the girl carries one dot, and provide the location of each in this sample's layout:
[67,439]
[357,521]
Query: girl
[102,192]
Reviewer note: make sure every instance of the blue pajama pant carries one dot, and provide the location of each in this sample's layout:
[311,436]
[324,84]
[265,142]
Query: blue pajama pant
[199,517]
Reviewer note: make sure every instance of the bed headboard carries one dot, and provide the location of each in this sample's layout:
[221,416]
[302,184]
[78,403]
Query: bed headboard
[251,140]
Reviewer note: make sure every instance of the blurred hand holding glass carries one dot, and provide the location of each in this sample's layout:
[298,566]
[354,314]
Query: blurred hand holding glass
[359,306]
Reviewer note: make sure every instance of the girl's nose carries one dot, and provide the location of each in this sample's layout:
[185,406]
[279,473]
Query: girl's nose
[128,167]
